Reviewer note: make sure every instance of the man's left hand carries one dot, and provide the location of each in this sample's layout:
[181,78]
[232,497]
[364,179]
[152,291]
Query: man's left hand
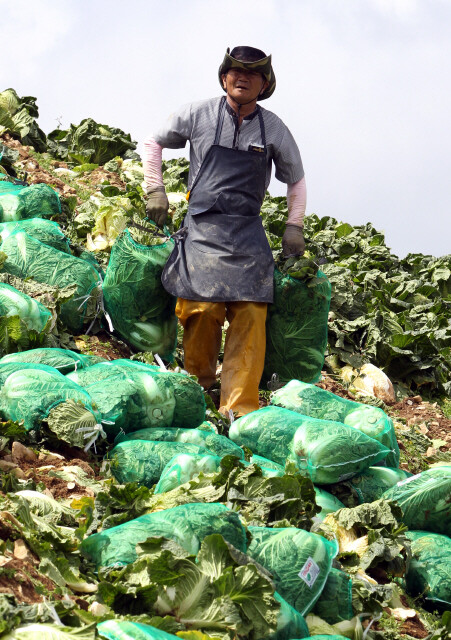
[293,243]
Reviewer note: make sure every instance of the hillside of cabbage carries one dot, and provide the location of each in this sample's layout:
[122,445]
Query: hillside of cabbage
[388,311]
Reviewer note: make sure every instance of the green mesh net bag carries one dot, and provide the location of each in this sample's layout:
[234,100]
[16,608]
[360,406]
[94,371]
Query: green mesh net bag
[214,443]
[296,329]
[310,400]
[429,572]
[33,393]
[140,308]
[321,636]
[34,315]
[18,202]
[266,433]
[298,560]
[267,464]
[29,258]
[148,396]
[328,503]
[335,602]
[64,360]
[425,500]
[326,451]
[186,524]
[125,630]
[371,483]
[290,623]
[11,367]
[143,461]
[186,466]
[46,231]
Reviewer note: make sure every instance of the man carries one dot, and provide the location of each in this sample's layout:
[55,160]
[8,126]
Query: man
[222,267]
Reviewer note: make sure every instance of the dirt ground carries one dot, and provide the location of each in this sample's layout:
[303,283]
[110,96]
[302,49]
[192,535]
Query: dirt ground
[104,345]
[36,174]
[43,468]
[21,578]
[429,417]
[412,628]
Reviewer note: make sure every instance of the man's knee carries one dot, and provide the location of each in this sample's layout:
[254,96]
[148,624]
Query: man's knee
[247,312]
[192,311]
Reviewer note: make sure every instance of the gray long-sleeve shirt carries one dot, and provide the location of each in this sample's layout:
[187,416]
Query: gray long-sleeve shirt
[196,123]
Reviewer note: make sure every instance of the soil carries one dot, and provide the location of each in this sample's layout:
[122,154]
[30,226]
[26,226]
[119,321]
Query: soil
[59,488]
[99,176]
[35,173]
[104,345]
[411,628]
[21,579]
[335,387]
[41,470]
[429,417]
[415,628]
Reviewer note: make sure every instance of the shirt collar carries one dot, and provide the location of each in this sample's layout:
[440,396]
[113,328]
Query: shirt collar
[234,114]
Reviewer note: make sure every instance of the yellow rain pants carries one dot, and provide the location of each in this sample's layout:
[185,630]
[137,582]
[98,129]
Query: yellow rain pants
[244,349]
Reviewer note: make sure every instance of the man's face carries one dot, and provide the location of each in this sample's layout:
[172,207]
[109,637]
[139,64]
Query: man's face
[243,85]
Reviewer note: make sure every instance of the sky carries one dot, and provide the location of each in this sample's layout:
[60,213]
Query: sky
[363,85]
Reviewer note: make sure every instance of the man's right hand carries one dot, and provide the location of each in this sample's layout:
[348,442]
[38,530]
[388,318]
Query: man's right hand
[157,205]
[293,243]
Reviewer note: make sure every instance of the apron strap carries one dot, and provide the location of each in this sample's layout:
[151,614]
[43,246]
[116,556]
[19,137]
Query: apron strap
[220,120]
[219,124]
[262,125]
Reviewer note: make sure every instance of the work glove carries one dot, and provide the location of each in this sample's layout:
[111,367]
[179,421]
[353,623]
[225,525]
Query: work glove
[157,205]
[293,243]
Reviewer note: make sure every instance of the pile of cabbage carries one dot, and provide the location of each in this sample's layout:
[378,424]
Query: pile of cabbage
[294,521]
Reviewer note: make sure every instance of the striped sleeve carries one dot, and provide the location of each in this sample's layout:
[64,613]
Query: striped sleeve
[177,129]
[287,159]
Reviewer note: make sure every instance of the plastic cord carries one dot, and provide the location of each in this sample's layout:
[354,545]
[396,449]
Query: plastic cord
[93,433]
[52,612]
[160,362]
[375,619]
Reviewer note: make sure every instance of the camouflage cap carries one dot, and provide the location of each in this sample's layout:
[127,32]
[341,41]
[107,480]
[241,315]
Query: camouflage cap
[261,65]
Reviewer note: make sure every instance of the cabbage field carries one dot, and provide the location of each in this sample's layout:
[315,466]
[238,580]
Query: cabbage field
[130,509]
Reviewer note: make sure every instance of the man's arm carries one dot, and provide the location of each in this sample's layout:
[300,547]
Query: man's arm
[293,243]
[152,157]
[289,169]
[174,135]
[157,205]
[297,199]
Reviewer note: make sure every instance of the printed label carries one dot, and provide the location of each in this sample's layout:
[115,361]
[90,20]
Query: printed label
[401,482]
[309,572]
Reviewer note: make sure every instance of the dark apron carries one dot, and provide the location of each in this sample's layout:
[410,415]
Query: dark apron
[221,253]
